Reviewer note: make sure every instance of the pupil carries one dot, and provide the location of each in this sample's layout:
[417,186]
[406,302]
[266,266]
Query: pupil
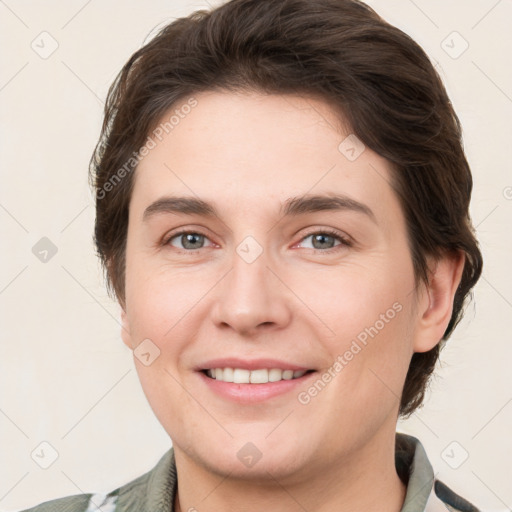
[321,238]
[189,240]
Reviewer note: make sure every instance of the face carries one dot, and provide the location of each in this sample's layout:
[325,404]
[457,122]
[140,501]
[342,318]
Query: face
[297,260]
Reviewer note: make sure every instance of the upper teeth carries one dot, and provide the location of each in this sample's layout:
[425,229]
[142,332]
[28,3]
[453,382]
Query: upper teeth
[241,376]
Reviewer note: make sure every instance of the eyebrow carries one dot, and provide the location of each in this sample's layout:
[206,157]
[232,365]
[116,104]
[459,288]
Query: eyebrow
[294,206]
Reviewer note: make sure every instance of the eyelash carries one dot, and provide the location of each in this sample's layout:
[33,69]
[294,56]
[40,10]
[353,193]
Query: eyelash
[344,241]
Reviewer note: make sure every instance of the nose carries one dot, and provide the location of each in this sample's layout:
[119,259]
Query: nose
[252,298]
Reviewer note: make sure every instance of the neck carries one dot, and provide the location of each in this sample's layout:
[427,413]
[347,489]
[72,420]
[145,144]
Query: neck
[364,480]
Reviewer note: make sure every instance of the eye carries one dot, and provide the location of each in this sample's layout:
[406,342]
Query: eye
[325,240]
[187,240]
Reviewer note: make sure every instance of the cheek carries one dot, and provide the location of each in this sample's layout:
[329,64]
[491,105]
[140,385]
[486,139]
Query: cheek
[356,301]
[161,309]
[158,301]
[369,320]
[376,357]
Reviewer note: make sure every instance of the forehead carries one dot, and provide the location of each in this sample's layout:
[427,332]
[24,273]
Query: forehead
[247,151]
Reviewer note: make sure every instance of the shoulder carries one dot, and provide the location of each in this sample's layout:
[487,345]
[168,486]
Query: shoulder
[77,503]
[149,491]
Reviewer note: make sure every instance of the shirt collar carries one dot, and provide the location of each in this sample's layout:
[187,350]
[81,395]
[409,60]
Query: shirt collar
[415,470]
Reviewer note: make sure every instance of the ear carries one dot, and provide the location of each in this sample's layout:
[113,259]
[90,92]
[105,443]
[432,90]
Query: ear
[436,303]
[125,330]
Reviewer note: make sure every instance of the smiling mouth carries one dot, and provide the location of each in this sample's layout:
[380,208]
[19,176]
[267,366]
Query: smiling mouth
[259,376]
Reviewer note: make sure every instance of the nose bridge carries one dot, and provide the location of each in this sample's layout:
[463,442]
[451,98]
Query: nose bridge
[251,295]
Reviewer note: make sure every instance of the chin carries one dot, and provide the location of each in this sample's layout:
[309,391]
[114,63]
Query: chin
[248,464]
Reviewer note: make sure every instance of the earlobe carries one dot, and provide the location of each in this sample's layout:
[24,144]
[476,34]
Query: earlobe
[125,330]
[437,310]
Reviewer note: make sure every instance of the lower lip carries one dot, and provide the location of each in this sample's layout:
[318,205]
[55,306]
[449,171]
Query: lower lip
[252,393]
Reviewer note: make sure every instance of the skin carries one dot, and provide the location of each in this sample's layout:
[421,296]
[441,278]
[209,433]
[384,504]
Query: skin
[247,153]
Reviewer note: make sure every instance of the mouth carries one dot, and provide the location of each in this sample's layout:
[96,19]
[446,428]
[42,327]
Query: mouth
[256,376]
[245,387]
[244,380]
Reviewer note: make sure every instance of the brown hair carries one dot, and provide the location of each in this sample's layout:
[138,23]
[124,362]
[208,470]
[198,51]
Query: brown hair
[339,50]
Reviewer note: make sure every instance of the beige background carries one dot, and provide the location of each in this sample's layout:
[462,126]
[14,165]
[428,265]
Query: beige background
[67,379]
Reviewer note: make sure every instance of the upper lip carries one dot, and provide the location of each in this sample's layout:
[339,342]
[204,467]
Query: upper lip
[253,364]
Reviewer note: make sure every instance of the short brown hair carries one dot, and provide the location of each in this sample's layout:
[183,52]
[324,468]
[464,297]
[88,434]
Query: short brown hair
[339,50]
